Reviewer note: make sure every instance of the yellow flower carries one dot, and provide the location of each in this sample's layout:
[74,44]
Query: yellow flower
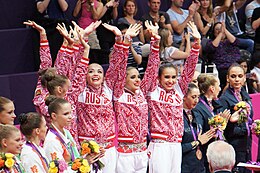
[53,170]
[95,146]
[52,165]
[85,162]
[84,169]
[9,163]
[9,155]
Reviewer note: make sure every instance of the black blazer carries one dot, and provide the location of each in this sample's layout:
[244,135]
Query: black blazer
[236,134]
[190,163]
[222,172]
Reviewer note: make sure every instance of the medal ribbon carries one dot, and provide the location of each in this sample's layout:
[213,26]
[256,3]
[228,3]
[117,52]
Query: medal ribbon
[69,148]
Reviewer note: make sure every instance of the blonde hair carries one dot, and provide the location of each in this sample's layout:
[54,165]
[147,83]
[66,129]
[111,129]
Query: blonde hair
[6,132]
[205,81]
[209,10]
[164,33]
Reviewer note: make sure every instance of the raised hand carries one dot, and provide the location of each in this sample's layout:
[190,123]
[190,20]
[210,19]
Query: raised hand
[64,32]
[81,39]
[133,30]
[35,26]
[152,29]
[112,28]
[89,29]
[195,33]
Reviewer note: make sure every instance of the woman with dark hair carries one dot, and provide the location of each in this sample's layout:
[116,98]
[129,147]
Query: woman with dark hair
[193,139]
[33,127]
[237,134]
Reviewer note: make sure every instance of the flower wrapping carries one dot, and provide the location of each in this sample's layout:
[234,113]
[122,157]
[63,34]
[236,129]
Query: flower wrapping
[57,165]
[255,127]
[220,124]
[244,112]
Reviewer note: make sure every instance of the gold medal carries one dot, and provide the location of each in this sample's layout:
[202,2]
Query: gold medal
[198,154]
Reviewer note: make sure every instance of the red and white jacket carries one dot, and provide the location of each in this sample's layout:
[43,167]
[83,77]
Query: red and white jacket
[96,116]
[166,108]
[67,63]
[131,108]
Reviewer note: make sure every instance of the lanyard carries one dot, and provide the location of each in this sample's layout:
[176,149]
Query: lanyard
[39,154]
[69,148]
[207,106]
[191,128]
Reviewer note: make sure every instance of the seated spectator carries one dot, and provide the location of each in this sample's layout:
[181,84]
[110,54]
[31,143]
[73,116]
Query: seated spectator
[255,25]
[205,17]
[172,54]
[249,12]
[88,11]
[256,69]
[156,16]
[221,157]
[179,19]
[232,25]
[130,10]
[224,50]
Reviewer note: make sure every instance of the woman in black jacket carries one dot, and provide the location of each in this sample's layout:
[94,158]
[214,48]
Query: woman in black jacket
[237,134]
[192,158]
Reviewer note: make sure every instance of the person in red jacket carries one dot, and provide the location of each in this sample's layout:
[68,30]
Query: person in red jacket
[166,112]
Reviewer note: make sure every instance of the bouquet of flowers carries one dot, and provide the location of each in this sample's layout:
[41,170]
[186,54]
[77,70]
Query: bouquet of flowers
[244,112]
[219,123]
[91,147]
[80,165]
[255,127]
[56,165]
[7,162]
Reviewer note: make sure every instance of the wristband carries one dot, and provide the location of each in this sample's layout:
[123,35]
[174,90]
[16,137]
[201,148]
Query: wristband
[209,24]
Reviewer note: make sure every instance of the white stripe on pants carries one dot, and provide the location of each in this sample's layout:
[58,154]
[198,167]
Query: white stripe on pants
[132,162]
[164,157]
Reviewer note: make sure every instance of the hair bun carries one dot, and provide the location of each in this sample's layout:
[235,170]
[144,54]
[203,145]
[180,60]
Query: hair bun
[50,99]
[22,118]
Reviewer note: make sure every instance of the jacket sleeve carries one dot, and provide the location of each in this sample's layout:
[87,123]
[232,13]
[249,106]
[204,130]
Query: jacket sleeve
[189,68]
[45,56]
[186,147]
[150,77]
[116,73]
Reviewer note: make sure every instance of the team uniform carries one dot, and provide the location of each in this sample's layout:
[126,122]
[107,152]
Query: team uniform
[62,144]
[33,158]
[70,64]
[132,117]
[166,111]
[96,116]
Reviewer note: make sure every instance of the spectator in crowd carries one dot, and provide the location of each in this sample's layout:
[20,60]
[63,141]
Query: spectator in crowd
[50,13]
[179,18]
[237,133]
[135,52]
[7,108]
[193,139]
[89,11]
[156,16]
[221,157]
[205,17]
[171,54]
[256,69]
[130,10]
[223,49]
[109,15]
[251,84]
[249,12]
[256,26]
[232,24]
